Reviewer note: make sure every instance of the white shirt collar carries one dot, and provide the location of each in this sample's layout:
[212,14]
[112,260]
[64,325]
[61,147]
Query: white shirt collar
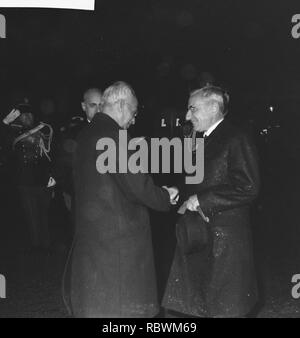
[212,128]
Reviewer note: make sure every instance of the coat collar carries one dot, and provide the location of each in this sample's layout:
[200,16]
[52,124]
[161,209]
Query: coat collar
[212,128]
[105,120]
[217,132]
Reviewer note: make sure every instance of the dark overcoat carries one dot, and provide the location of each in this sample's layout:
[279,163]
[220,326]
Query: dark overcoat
[220,280]
[112,263]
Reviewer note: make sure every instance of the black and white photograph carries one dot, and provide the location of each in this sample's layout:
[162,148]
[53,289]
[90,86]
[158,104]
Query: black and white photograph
[149,161]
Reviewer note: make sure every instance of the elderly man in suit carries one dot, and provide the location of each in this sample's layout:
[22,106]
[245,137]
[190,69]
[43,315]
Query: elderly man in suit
[219,279]
[112,264]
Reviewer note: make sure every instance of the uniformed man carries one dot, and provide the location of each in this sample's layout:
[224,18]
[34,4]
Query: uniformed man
[30,145]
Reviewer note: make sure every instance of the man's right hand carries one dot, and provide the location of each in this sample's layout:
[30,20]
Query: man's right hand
[14,114]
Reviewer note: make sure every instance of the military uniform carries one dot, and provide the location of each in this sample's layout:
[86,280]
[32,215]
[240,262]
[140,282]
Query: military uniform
[31,170]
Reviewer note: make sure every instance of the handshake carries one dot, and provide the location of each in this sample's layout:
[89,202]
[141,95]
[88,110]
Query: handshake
[174,194]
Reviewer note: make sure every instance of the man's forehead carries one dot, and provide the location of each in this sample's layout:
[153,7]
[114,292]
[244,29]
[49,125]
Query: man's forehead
[93,97]
[195,99]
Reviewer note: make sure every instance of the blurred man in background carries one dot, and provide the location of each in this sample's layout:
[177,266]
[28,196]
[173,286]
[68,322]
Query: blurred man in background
[91,105]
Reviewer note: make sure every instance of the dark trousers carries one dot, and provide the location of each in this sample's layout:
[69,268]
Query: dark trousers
[36,202]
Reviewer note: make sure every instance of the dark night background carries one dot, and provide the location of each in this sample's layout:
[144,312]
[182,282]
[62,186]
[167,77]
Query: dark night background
[165,49]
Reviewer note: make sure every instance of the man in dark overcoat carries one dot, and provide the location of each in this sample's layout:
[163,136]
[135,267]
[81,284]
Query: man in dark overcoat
[91,105]
[218,280]
[112,263]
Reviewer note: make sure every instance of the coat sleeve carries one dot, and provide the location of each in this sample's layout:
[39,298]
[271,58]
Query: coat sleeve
[140,187]
[243,179]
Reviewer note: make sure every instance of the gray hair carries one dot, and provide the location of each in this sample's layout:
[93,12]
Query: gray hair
[118,91]
[213,93]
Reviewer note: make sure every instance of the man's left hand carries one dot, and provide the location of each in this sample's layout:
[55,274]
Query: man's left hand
[192,203]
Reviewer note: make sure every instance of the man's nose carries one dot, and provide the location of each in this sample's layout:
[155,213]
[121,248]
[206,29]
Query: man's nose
[99,108]
[188,115]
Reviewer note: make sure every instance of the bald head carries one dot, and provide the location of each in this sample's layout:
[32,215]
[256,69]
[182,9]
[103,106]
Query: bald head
[92,102]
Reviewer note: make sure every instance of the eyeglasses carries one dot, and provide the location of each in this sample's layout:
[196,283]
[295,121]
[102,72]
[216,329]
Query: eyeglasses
[94,105]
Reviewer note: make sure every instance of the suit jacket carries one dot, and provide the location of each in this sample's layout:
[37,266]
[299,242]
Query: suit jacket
[112,264]
[220,281]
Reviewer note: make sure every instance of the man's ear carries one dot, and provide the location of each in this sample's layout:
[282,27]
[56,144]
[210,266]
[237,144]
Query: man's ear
[215,108]
[122,105]
[83,106]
